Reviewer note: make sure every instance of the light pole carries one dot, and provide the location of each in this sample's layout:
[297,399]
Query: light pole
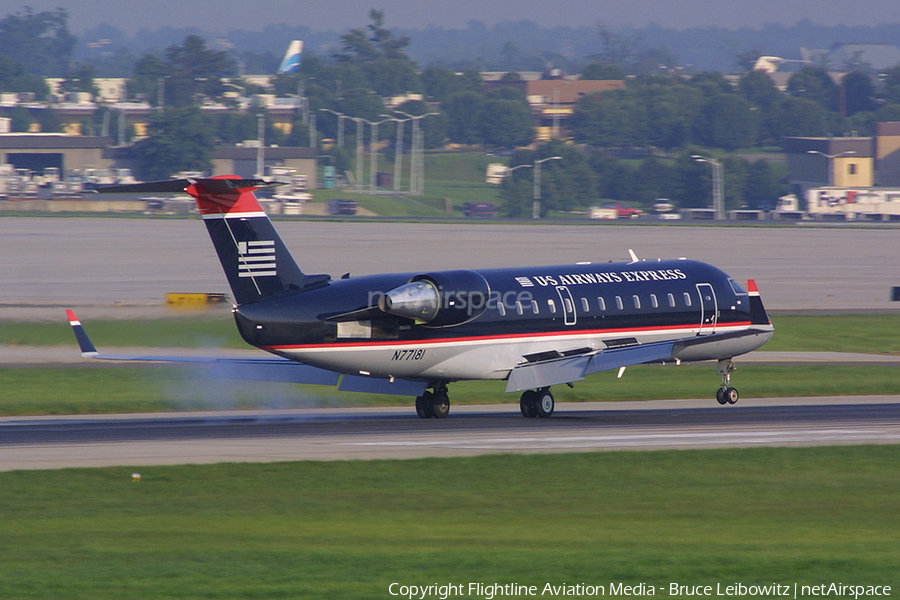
[536,207]
[417,154]
[718,184]
[831,158]
[261,147]
[398,152]
[373,155]
[340,125]
[359,140]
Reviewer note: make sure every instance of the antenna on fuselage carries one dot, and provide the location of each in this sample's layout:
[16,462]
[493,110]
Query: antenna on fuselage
[634,257]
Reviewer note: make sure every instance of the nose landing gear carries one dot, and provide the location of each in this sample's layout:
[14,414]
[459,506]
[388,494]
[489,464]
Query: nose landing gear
[727,394]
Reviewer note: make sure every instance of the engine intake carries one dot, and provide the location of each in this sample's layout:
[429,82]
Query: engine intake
[439,299]
[419,300]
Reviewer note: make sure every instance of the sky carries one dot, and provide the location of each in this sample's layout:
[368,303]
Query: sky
[339,15]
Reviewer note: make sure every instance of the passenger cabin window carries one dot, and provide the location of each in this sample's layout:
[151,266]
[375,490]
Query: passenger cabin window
[502,308]
[653,301]
[535,307]
[569,307]
[519,310]
[619,304]
[602,303]
[637,301]
[552,306]
[585,304]
[687,299]
[672,300]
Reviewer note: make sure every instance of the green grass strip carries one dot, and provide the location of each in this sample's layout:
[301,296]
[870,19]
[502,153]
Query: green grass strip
[86,389]
[349,529]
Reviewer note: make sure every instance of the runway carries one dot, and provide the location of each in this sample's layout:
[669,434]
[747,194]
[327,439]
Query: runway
[396,433]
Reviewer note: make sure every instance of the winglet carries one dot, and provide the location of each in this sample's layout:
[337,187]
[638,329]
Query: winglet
[84,342]
[758,314]
[751,287]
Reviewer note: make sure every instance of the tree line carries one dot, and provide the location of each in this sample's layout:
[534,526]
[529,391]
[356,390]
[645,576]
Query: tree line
[632,144]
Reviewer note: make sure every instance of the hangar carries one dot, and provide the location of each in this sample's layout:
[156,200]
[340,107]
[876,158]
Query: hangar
[38,151]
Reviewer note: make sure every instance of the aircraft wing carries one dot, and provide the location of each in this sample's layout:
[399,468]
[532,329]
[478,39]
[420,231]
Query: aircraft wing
[545,372]
[260,369]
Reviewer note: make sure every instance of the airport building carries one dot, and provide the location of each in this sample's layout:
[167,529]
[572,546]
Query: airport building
[847,162]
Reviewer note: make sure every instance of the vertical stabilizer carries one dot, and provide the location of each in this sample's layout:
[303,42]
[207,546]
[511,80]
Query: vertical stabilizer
[255,260]
[291,61]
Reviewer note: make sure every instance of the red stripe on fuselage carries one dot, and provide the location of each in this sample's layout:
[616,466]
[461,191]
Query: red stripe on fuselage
[482,338]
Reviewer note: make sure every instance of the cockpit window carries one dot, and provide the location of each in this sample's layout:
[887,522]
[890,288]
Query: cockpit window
[737,288]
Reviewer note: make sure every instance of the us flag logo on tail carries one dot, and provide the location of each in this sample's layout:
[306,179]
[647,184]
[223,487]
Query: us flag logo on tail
[256,259]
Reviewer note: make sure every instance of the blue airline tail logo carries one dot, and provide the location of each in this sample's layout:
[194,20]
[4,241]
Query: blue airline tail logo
[291,61]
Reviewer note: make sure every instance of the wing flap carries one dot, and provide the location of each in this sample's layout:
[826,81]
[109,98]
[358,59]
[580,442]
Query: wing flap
[616,358]
[536,375]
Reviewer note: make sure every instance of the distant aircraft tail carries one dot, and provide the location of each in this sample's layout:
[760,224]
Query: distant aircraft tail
[255,260]
[291,61]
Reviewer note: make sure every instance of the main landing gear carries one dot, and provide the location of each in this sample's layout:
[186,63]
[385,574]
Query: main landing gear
[537,403]
[726,394]
[434,403]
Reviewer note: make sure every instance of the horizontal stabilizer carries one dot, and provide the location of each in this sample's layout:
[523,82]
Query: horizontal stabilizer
[173,186]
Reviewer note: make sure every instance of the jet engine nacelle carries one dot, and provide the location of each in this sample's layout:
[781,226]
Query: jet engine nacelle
[439,299]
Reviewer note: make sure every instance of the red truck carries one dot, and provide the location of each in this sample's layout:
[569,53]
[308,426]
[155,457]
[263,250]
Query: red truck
[623,210]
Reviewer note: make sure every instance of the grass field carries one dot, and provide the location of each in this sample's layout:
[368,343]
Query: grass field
[452,177]
[349,529]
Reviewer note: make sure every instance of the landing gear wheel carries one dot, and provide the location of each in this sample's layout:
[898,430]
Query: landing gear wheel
[528,403]
[545,403]
[423,405]
[440,405]
[731,395]
[726,394]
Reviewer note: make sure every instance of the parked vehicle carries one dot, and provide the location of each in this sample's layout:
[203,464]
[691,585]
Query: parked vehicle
[480,209]
[663,205]
[623,211]
[341,206]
